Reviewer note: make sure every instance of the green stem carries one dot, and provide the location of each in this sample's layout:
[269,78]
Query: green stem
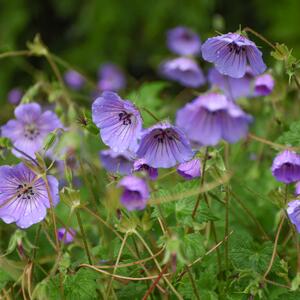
[261,37]
[83,237]
[195,289]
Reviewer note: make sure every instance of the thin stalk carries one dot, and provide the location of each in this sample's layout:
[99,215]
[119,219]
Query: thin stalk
[195,289]
[83,237]
[150,113]
[116,264]
[261,37]
[15,53]
[274,248]
[201,182]
[158,266]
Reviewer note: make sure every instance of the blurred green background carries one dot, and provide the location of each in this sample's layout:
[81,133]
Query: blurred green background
[128,32]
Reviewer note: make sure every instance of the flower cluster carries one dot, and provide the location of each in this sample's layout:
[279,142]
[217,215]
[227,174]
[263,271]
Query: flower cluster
[183,69]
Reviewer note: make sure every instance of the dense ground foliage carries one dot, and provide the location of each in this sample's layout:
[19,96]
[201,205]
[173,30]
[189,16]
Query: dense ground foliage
[185,190]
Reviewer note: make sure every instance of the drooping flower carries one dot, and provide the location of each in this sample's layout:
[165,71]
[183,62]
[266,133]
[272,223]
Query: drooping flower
[24,197]
[190,170]
[135,194]
[14,96]
[293,211]
[264,85]
[141,165]
[111,78]
[231,53]
[119,121]
[183,41]
[74,79]
[30,128]
[212,117]
[121,163]
[233,88]
[66,236]
[164,145]
[184,70]
[286,167]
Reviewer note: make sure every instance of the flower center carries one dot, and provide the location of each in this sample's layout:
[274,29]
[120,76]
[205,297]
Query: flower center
[233,47]
[165,134]
[186,36]
[25,191]
[125,118]
[31,131]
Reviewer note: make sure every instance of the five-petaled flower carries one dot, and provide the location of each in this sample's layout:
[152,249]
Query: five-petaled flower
[190,169]
[141,165]
[231,53]
[184,70]
[66,235]
[30,128]
[293,211]
[183,41]
[286,167]
[135,193]
[24,196]
[121,163]
[164,145]
[111,78]
[212,117]
[119,121]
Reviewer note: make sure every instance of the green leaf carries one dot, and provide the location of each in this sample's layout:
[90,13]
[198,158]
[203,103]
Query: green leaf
[81,286]
[250,256]
[4,278]
[291,137]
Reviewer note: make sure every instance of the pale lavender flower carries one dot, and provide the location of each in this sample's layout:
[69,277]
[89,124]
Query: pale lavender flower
[121,163]
[293,211]
[233,88]
[231,53]
[286,167]
[141,165]
[119,121]
[183,41]
[14,96]
[135,194]
[111,78]
[183,70]
[66,236]
[190,169]
[212,117]
[24,197]
[30,128]
[264,85]
[163,146]
[74,79]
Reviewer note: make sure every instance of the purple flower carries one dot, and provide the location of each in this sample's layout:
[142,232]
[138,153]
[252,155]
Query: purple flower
[183,70]
[111,78]
[31,126]
[190,170]
[23,195]
[293,211]
[233,88]
[114,162]
[297,188]
[74,80]
[264,85]
[67,236]
[212,117]
[183,41]
[286,167]
[164,145]
[140,165]
[119,121]
[135,193]
[14,96]
[231,53]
